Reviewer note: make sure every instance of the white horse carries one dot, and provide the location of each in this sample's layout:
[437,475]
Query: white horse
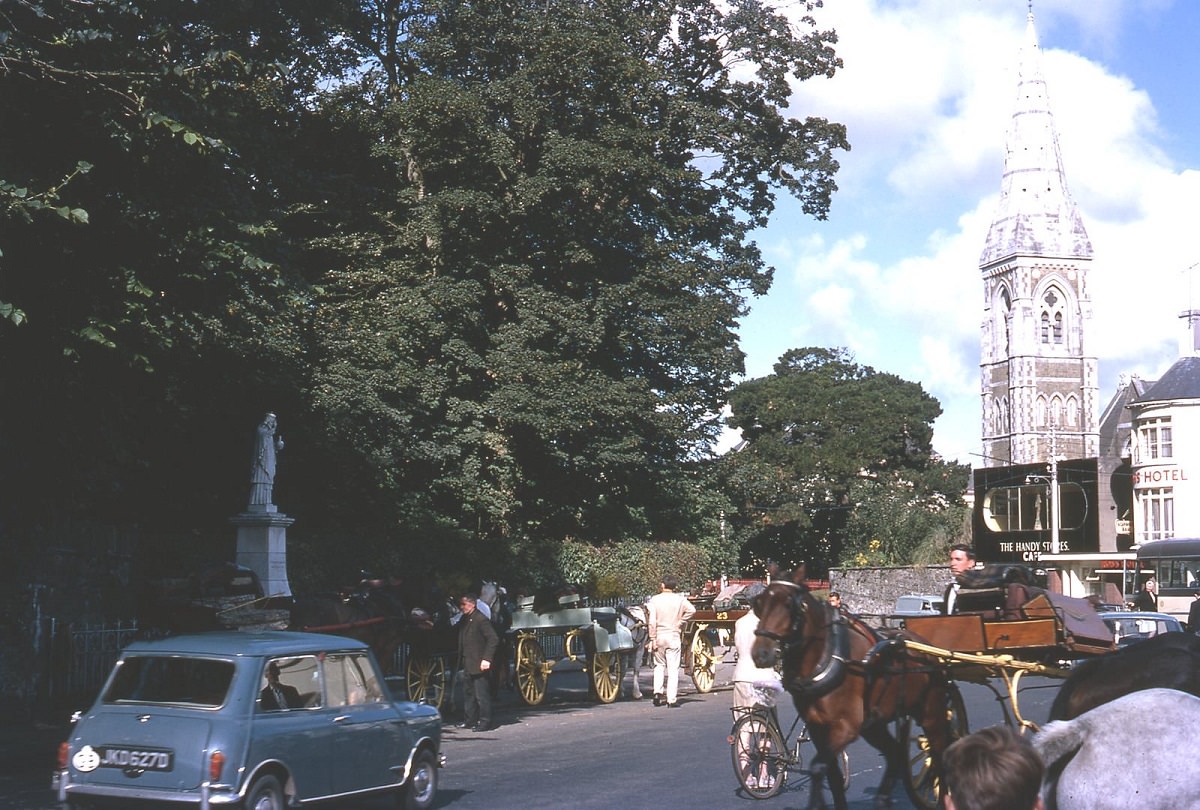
[1135,751]
[634,617]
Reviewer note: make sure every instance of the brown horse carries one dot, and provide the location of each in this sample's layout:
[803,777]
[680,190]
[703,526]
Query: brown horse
[846,682]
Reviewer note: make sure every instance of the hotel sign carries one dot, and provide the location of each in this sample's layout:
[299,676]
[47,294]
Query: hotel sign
[1159,475]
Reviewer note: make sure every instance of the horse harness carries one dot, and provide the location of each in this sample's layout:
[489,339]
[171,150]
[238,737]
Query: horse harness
[830,670]
[835,663]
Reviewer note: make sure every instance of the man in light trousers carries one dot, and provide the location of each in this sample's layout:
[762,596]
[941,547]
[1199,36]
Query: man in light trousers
[665,614]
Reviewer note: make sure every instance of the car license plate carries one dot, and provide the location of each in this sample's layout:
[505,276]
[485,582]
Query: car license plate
[136,759]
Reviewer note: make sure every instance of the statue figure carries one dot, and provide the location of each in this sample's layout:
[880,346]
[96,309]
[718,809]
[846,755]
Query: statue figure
[262,473]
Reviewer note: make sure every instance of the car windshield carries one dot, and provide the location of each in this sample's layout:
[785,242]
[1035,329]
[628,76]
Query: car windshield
[171,679]
[1140,626]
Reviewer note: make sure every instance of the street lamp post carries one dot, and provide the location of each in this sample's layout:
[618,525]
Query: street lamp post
[1055,504]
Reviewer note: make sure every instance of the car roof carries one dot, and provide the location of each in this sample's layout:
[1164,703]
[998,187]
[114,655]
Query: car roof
[937,597]
[239,643]
[1136,614]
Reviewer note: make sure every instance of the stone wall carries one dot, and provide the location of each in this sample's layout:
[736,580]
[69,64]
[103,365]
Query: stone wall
[873,591]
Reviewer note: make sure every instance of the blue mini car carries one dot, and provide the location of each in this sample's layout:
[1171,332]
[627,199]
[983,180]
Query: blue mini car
[262,721]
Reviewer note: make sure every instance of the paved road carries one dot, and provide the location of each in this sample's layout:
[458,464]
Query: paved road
[571,752]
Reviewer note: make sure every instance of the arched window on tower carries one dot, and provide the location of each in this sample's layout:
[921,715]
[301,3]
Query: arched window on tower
[1040,410]
[1056,411]
[1003,337]
[1072,411]
[1052,320]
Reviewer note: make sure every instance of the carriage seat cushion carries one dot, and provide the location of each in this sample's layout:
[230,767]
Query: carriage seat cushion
[1083,628]
[986,602]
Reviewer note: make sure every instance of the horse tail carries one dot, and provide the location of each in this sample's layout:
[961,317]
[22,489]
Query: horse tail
[1059,740]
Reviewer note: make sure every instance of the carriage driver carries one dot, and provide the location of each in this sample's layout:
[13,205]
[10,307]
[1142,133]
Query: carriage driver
[962,560]
[665,614]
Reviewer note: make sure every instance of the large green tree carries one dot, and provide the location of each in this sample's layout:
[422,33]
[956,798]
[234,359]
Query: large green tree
[147,149]
[838,464]
[543,328]
[486,260]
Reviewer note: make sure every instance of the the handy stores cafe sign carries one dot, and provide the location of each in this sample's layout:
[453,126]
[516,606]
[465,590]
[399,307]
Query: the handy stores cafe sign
[1012,511]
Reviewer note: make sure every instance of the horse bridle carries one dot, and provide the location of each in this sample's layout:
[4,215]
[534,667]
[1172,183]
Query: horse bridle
[830,670]
[796,614]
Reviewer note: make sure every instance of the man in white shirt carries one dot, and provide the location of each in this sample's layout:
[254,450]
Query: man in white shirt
[665,614]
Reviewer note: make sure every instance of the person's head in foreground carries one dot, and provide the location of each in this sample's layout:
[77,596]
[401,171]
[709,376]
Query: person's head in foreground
[993,769]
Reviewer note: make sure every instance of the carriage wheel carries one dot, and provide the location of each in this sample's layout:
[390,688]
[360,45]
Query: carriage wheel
[919,780]
[532,671]
[606,675]
[704,665]
[425,677]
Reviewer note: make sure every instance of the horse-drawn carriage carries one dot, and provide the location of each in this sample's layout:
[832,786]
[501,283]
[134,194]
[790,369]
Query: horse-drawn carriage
[594,635]
[715,617]
[849,679]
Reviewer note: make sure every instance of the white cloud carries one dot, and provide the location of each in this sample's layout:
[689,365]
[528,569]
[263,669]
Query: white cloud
[927,95]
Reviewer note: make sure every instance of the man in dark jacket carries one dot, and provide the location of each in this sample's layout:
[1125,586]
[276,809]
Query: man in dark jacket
[276,695]
[477,642]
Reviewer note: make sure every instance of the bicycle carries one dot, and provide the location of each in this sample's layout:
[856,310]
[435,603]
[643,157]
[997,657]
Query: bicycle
[761,758]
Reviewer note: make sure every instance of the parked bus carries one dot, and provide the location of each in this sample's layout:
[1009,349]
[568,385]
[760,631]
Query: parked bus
[1176,565]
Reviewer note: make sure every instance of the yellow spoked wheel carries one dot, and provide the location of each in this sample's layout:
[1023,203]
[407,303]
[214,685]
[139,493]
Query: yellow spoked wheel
[606,675]
[921,783]
[532,671]
[704,667]
[425,677]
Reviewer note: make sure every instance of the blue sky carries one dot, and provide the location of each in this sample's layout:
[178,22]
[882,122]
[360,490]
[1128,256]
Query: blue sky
[927,93]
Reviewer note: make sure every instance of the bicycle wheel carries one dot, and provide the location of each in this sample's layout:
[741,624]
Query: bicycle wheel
[843,760]
[760,756]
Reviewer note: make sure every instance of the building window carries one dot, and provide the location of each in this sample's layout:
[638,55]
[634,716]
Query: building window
[1072,411]
[1003,335]
[1158,514]
[1154,440]
[1052,317]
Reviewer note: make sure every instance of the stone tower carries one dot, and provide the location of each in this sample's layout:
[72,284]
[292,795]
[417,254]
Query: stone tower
[1039,380]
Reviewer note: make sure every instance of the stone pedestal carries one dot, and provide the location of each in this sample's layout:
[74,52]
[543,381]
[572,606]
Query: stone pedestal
[262,546]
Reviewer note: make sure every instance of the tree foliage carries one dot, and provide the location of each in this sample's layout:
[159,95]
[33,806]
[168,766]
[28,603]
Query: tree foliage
[838,465]
[486,261]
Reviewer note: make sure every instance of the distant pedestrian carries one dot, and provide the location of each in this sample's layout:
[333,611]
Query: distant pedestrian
[1194,614]
[665,614]
[477,642]
[1147,598]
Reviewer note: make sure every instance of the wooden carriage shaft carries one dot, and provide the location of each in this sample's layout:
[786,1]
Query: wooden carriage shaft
[1009,668]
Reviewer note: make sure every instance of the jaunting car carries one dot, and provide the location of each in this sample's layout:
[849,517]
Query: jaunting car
[258,720]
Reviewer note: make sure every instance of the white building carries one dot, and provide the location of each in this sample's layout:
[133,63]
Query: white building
[1166,447]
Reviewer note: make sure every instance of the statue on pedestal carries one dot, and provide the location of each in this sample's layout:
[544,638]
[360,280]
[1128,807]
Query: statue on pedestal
[262,473]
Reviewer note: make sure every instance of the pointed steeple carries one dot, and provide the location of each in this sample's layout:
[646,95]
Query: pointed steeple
[1036,215]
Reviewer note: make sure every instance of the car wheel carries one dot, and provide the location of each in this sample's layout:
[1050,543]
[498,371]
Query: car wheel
[421,788]
[265,794]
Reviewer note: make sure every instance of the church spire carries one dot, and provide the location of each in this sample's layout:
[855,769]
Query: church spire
[1036,215]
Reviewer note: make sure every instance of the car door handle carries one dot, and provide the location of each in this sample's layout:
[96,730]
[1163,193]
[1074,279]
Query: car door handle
[341,718]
